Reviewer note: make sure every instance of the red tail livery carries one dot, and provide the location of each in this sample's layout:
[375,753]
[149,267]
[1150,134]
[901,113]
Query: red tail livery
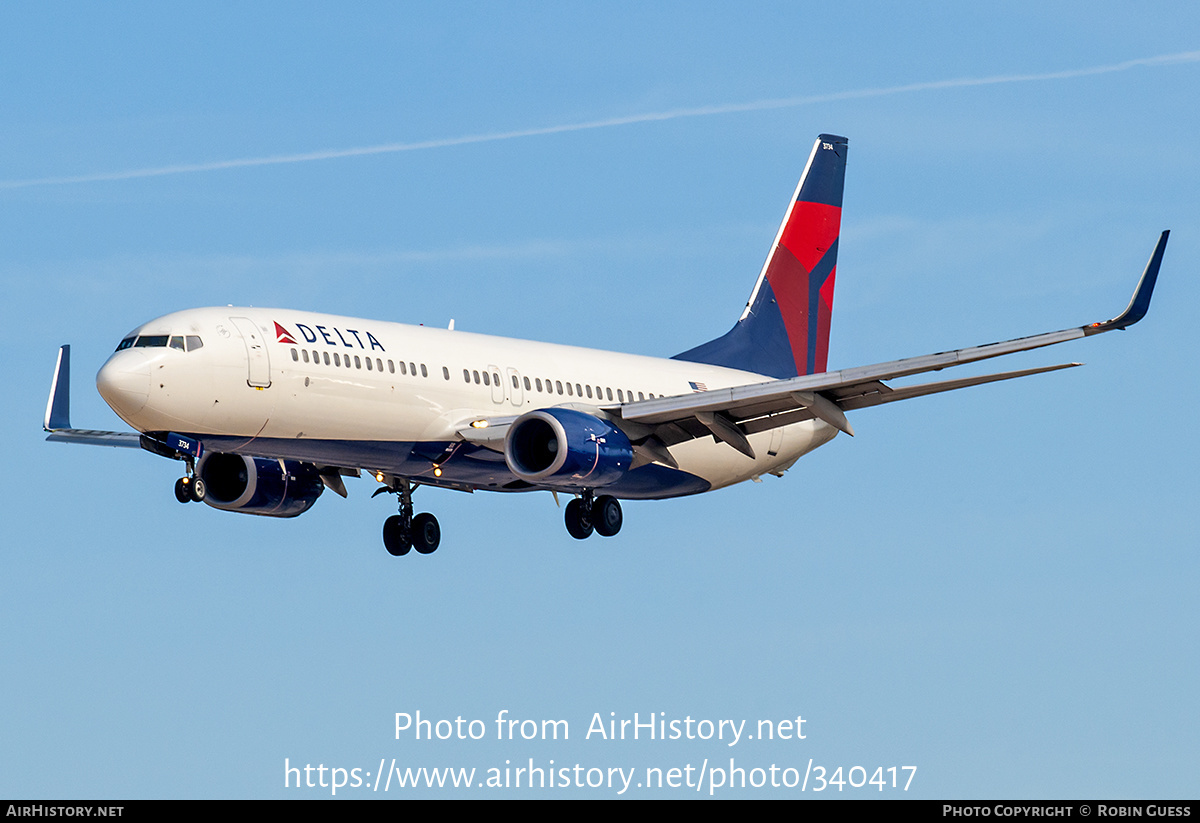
[784,330]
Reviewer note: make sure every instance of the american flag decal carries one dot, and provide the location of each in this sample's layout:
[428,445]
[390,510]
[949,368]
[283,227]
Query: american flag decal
[698,386]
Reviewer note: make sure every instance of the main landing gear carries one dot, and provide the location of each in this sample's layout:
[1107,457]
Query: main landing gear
[190,488]
[403,531]
[585,515]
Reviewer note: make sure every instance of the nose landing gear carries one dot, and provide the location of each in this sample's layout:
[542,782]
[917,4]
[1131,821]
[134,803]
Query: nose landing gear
[190,488]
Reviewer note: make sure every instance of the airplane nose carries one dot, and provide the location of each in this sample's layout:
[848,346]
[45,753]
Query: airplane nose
[124,382]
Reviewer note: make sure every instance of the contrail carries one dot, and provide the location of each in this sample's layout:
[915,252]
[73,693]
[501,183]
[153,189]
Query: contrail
[649,117]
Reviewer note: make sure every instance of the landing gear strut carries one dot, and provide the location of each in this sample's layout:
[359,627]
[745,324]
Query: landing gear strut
[403,531]
[586,514]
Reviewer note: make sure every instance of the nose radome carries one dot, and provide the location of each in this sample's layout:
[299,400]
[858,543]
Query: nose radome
[124,382]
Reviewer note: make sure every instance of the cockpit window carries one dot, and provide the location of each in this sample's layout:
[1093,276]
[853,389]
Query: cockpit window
[189,342]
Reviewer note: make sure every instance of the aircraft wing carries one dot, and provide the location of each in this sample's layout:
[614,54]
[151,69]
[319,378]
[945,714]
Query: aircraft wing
[731,414]
[93,437]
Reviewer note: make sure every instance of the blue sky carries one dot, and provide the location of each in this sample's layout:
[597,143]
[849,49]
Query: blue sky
[995,585]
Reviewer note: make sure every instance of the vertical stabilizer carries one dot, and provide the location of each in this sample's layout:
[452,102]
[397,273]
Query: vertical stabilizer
[784,329]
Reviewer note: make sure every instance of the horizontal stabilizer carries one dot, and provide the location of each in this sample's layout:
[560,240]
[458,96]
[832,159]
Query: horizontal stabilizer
[906,392]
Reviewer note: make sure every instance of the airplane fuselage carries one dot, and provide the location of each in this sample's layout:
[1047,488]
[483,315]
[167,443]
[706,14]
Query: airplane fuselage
[391,398]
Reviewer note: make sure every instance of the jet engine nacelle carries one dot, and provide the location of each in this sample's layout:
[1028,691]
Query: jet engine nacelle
[567,448]
[257,485]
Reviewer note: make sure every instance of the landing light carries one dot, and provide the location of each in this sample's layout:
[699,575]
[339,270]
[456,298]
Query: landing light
[479,424]
[379,476]
[437,471]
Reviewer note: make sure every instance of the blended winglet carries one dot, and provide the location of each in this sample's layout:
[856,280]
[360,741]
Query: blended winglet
[1139,304]
[58,405]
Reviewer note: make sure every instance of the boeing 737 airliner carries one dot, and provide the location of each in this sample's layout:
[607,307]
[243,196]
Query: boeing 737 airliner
[267,408]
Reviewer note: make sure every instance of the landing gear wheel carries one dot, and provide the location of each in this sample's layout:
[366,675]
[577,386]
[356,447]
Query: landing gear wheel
[396,538]
[183,491]
[198,489]
[426,533]
[579,523]
[606,514]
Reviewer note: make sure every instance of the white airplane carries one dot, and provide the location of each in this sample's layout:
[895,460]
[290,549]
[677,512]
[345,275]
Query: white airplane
[268,407]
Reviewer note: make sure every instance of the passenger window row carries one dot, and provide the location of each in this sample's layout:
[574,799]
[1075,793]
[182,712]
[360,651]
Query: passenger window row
[370,363]
[489,378]
[476,376]
[549,386]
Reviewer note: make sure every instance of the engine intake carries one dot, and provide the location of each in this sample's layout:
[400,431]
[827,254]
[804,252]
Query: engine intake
[564,447]
[256,485]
